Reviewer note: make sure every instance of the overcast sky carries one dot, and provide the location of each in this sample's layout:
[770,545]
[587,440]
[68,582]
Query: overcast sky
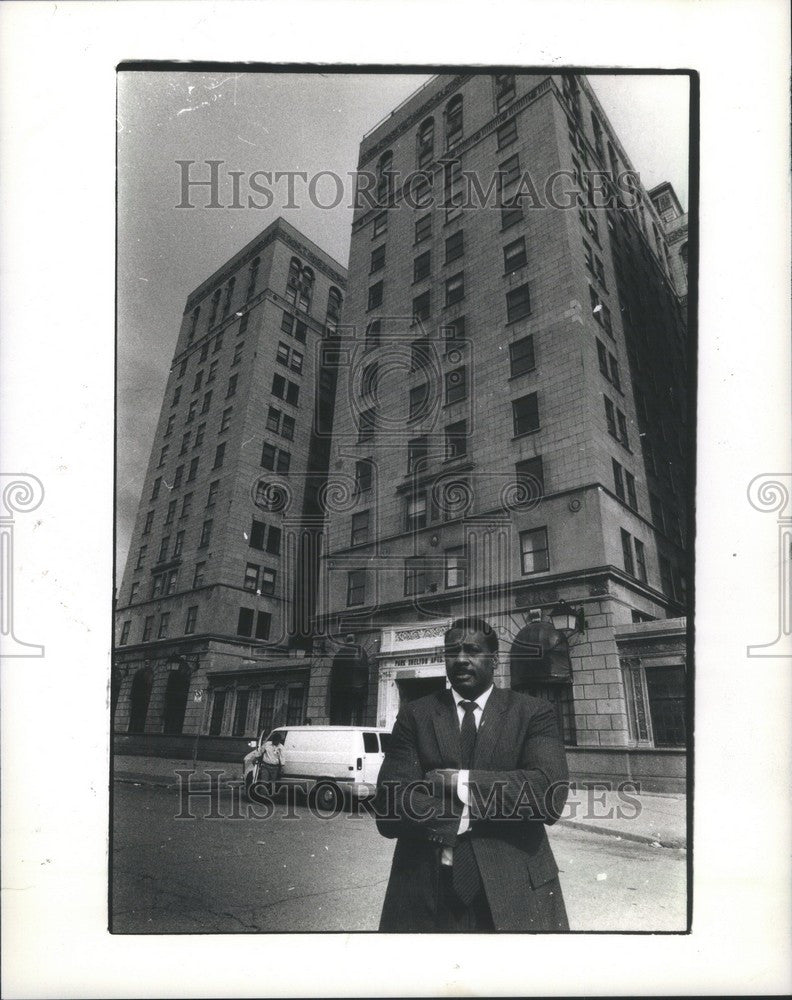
[273,122]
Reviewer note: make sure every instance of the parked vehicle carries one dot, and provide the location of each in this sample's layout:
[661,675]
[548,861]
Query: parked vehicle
[331,763]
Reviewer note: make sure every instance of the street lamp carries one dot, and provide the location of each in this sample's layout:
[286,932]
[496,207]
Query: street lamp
[566,620]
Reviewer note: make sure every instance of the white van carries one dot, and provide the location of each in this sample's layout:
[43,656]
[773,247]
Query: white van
[326,761]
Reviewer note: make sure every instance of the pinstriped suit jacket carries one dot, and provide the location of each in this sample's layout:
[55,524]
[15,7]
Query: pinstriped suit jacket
[518,783]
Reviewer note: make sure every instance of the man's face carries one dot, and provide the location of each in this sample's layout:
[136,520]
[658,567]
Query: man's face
[469,665]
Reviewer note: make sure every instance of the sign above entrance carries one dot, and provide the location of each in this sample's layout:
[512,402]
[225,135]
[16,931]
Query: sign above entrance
[403,638]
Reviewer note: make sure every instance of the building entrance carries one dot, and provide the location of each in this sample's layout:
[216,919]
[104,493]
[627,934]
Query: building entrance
[417,687]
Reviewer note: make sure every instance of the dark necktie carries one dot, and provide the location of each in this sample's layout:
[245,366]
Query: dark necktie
[465,876]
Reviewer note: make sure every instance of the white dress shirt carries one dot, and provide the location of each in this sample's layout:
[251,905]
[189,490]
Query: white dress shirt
[447,856]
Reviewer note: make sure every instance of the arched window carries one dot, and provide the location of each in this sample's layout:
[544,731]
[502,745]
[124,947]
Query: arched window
[193,324]
[385,178]
[139,699]
[252,275]
[504,89]
[333,305]
[539,665]
[426,143]
[453,121]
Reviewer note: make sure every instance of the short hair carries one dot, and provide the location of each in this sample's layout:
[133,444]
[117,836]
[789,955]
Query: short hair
[472,624]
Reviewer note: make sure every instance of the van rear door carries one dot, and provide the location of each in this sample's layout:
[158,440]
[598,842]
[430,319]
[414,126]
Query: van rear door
[372,758]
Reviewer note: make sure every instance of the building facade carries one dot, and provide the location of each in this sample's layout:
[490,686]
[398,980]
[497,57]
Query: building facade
[213,614]
[510,425]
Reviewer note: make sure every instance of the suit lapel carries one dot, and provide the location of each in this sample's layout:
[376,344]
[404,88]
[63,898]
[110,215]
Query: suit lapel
[490,729]
[446,725]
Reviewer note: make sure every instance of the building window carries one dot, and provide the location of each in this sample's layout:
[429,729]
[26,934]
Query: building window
[454,246]
[169,426]
[225,421]
[177,476]
[455,385]
[273,419]
[171,512]
[211,497]
[602,359]
[380,224]
[385,178]
[219,455]
[163,625]
[125,633]
[610,418]
[250,581]
[263,625]
[618,479]
[507,133]
[185,445]
[156,585]
[418,400]
[420,355]
[360,527]
[287,427]
[240,712]
[283,353]
[192,472]
[218,343]
[149,522]
[533,551]
[218,709]
[198,380]
[363,475]
[455,567]
[423,229]
[453,121]
[375,295]
[192,410]
[275,459]
[622,422]
[186,505]
[416,512]
[204,352]
[525,414]
[656,699]
[267,581]
[521,356]
[504,90]
[614,372]
[518,304]
[156,487]
[141,559]
[627,552]
[192,620]
[530,475]
[206,534]
[514,256]
[456,440]
[367,424]
[207,402]
[178,544]
[454,332]
[273,540]
[334,302]
[632,499]
[421,307]
[200,431]
[415,581]
[232,386]
[148,627]
[666,577]
[176,396]
[425,143]
[373,335]
[239,350]
[422,266]
[198,576]
[640,560]
[417,451]
[600,311]
[368,381]
[511,214]
[377,259]
[163,549]
[356,587]
[455,289]
[245,622]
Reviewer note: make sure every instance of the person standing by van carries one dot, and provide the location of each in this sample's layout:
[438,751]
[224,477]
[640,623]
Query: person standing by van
[272,759]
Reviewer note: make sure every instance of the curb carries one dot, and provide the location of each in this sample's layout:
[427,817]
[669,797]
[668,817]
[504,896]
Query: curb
[679,843]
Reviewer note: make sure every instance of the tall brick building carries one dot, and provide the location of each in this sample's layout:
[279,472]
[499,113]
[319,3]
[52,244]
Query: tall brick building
[217,596]
[510,426]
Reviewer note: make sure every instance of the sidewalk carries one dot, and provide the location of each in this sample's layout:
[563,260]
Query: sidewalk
[654,819]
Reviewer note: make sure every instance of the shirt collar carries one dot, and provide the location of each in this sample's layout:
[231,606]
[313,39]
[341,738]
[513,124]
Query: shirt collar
[481,700]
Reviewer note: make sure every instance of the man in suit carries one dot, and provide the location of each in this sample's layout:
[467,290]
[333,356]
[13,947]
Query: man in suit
[470,780]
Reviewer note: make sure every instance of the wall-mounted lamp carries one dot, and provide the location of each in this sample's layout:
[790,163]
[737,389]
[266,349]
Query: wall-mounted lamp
[567,620]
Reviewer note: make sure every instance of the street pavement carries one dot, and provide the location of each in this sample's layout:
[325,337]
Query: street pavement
[296,871]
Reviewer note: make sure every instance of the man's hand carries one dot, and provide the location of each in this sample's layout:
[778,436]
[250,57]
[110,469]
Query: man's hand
[445,781]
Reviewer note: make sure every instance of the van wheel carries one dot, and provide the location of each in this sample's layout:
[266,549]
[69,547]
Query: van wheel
[327,797]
